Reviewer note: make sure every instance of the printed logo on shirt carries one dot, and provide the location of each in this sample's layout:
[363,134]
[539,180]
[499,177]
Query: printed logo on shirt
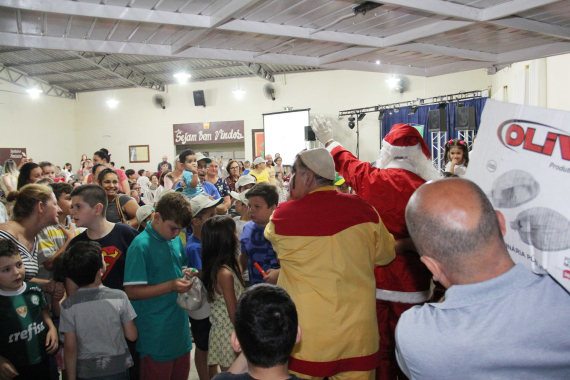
[27,334]
[22,311]
[111,255]
[566,274]
[35,300]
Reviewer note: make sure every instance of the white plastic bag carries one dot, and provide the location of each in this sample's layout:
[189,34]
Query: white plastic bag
[193,299]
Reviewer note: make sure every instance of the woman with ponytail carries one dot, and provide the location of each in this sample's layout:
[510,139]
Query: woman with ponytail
[35,208]
[102,156]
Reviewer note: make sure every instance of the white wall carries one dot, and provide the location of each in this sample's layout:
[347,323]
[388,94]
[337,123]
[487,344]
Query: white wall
[548,82]
[136,121]
[45,126]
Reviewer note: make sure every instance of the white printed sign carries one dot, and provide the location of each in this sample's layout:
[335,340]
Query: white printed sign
[522,163]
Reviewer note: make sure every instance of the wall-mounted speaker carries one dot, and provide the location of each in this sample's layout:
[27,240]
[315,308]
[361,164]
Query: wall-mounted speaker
[465,118]
[309,134]
[437,120]
[199,99]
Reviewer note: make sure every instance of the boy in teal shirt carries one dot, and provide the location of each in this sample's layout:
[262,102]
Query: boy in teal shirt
[154,276]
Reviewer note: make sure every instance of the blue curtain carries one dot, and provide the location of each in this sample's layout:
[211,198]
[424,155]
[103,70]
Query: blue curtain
[421,118]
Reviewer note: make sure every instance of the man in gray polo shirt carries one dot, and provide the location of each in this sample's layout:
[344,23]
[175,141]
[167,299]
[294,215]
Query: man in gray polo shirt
[498,319]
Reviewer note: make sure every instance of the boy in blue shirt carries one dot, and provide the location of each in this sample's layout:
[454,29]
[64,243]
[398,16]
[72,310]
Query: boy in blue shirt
[255,248]
[27,332]
[190,174]
[203,208]
[154,276]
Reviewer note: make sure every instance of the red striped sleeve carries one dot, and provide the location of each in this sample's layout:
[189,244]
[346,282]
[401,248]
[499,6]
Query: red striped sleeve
[322,213]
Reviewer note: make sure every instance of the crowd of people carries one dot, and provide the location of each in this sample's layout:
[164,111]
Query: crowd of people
[333,267]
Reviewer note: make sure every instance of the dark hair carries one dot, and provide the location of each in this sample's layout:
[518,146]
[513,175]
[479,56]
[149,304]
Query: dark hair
[174,206]
[162,175]
[278,158]
[230,163]
[185,153]
[300,166]
[141,172]
[8,248]
[112,163]
[219,248]
[266,325]
[58,268]
[129,172]
[103,154]
[74,182]
[456,143]
[266,191]
[104,172]
[43,164]
[82,262]
[154,175]
[92,195]
[94,168]
[164,163]
[60,188]
[27,198]
[445,243]
[25,172]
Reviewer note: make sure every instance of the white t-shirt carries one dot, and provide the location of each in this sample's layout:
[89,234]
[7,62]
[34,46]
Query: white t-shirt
[459,170]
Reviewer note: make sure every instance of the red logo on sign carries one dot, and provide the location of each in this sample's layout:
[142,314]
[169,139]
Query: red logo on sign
[566,274]
[521,132]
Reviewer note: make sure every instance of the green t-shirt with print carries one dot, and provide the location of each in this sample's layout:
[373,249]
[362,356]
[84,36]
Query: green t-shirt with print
[22,328]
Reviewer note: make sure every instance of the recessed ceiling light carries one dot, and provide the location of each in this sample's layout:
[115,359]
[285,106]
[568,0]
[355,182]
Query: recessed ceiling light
[182,77]
[34,92]
[112,103]
[238,93]
[378,62]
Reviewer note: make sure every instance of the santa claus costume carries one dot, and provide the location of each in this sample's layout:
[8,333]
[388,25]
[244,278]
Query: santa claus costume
[403,166]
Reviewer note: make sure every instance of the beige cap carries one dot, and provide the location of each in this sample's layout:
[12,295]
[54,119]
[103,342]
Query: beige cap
[259,160]
[245,180]
[144,212]
[201,202]
[240,196]
[320,161]
[200,157]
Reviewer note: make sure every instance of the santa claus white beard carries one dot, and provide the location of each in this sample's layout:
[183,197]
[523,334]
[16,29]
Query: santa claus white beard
[415,162]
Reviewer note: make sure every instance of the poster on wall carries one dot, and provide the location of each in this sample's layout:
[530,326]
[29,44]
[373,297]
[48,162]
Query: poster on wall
[258,143]
[139,153]
[204,133]
[521,161]
[16,154]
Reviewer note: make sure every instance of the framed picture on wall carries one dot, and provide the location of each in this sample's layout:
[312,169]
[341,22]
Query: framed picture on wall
[139,153]
[258,143]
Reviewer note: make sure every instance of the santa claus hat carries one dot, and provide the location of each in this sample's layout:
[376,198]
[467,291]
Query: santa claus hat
[404,140]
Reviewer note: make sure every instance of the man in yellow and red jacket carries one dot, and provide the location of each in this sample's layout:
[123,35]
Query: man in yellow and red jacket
[403,166]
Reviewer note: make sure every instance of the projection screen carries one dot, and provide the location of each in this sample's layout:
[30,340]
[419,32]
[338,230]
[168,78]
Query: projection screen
[284,133]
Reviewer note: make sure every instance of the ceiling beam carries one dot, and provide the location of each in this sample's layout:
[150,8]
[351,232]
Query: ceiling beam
[21,79]
[534,26]
[66,72]
[13,50]
[257,70]
[428,30]
[46,61]
[511,7]
[345,54]
[121,71]
[91,10]
[440,7]
[372,67]
[227,12]
[448,51]
[79,80]
[193,69]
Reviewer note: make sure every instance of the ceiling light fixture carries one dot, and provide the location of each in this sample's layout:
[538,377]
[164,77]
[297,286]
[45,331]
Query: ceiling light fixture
[378,62]
[381,114]
[182,77]
[361,116]
[34,92]
[413,110]
[112,103]
[238,93]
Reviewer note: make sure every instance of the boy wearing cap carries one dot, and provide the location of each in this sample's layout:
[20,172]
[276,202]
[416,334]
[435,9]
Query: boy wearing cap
[144,215]
[241,205]
[154,276]
[190,175]
[259,171]
[245,182]
[255,248]
[203,208]
[340,184]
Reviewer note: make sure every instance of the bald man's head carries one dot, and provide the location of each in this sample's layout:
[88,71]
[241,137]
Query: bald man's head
[452,220]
